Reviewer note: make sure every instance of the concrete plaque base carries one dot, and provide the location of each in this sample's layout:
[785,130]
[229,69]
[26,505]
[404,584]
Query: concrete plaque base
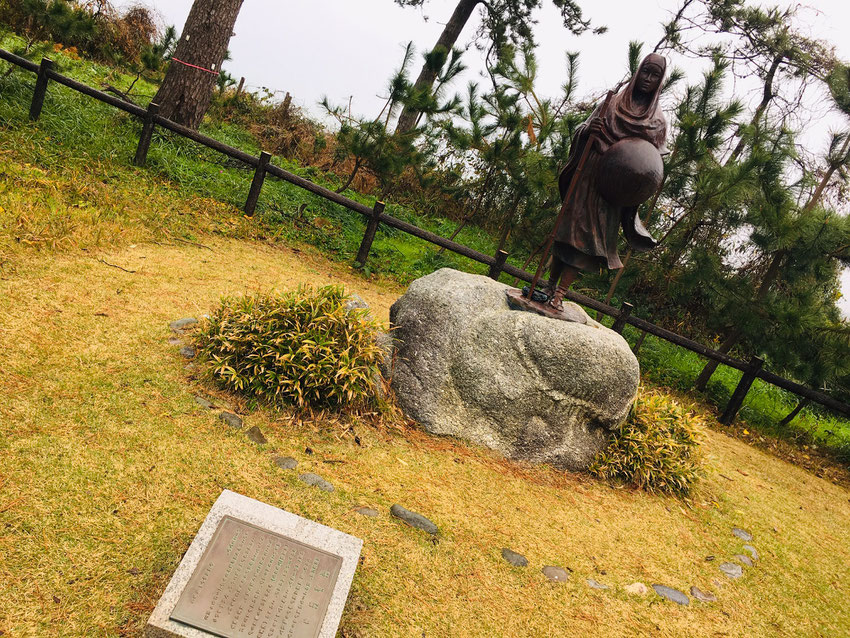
[256,570]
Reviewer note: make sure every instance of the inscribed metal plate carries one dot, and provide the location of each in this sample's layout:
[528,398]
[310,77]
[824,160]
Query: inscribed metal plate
[252,583]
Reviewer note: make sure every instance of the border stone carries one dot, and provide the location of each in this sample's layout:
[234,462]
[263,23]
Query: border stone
[702,596]
[674,595]
[732,570]
[231,419]
[753,552]
[636,589]
[256,435]
[180,325]
[595,584]
[556,574]
[517,560]
[316,481]
[285,462]
[414,520]
[356,302]
[204,402]
[275,520]
[743,534]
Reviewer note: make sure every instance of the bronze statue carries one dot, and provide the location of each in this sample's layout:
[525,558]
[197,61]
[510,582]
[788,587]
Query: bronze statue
[614,166]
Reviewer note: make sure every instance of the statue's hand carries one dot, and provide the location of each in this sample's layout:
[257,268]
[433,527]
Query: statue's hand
[595,126]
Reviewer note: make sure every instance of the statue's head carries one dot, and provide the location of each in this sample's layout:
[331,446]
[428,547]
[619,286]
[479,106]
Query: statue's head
[650,74]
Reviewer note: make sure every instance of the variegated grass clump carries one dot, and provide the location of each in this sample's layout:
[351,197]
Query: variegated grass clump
[657,448]
[301,349]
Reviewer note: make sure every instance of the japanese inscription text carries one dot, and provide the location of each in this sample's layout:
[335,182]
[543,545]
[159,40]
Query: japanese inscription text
[252,583]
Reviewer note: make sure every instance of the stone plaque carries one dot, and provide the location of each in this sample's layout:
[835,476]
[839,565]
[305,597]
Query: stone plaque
[252,583]
[255,571]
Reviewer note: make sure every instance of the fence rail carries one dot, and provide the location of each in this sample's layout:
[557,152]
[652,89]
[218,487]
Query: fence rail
[376,216]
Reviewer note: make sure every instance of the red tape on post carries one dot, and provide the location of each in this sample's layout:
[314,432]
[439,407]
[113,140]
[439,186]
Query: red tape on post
[194,66]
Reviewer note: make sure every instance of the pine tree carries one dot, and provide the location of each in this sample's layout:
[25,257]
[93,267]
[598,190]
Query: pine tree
[505,22]
[58,19]
[763,43]
[369,142]
[187,90]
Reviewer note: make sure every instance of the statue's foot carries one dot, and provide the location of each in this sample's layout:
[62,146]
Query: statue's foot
[545,307]
[556,301]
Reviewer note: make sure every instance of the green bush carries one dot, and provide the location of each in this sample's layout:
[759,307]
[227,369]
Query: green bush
[95,28]
[656,449]
[301,349]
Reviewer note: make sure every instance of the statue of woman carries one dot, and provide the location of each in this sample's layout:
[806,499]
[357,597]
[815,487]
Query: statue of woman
[587,237]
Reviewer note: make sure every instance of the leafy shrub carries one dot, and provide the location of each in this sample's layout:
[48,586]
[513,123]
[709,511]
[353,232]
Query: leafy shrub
[656,449]
[94,27]
[301,349]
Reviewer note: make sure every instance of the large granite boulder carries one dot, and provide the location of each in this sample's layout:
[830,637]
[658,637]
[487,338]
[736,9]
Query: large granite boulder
[533,388]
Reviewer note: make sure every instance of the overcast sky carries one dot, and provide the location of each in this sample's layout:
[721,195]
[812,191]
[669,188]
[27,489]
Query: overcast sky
[347,49]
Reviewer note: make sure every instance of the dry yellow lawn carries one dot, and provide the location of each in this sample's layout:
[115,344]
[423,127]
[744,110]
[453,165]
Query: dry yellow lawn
[108,467]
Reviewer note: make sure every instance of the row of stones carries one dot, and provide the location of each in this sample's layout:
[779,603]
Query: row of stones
[732,570]
[182,327]
[411,518]
[256,435]
[552,572]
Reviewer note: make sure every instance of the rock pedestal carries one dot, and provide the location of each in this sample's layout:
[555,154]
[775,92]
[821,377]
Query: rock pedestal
[533,388]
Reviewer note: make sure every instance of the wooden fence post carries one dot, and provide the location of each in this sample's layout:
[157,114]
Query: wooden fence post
[40,88]
[148,125]
[369,235]
[639,343]
[496,268]
[620,321]
[257,183]
[740,393]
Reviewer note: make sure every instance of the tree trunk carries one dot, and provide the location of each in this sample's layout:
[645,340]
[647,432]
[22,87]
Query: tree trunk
[767,97]
[351,176]
[735,334]
[447,39]
[793,413]
[186,91]
[468,218]
[821,187]
[639,343]
[711,366]
[508,224]
[773,270]
[506,232]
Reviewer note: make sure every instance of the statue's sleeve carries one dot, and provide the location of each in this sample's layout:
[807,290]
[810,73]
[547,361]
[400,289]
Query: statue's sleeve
[576,149]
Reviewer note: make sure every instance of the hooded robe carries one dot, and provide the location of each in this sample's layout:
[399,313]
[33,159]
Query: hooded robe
[587,236]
